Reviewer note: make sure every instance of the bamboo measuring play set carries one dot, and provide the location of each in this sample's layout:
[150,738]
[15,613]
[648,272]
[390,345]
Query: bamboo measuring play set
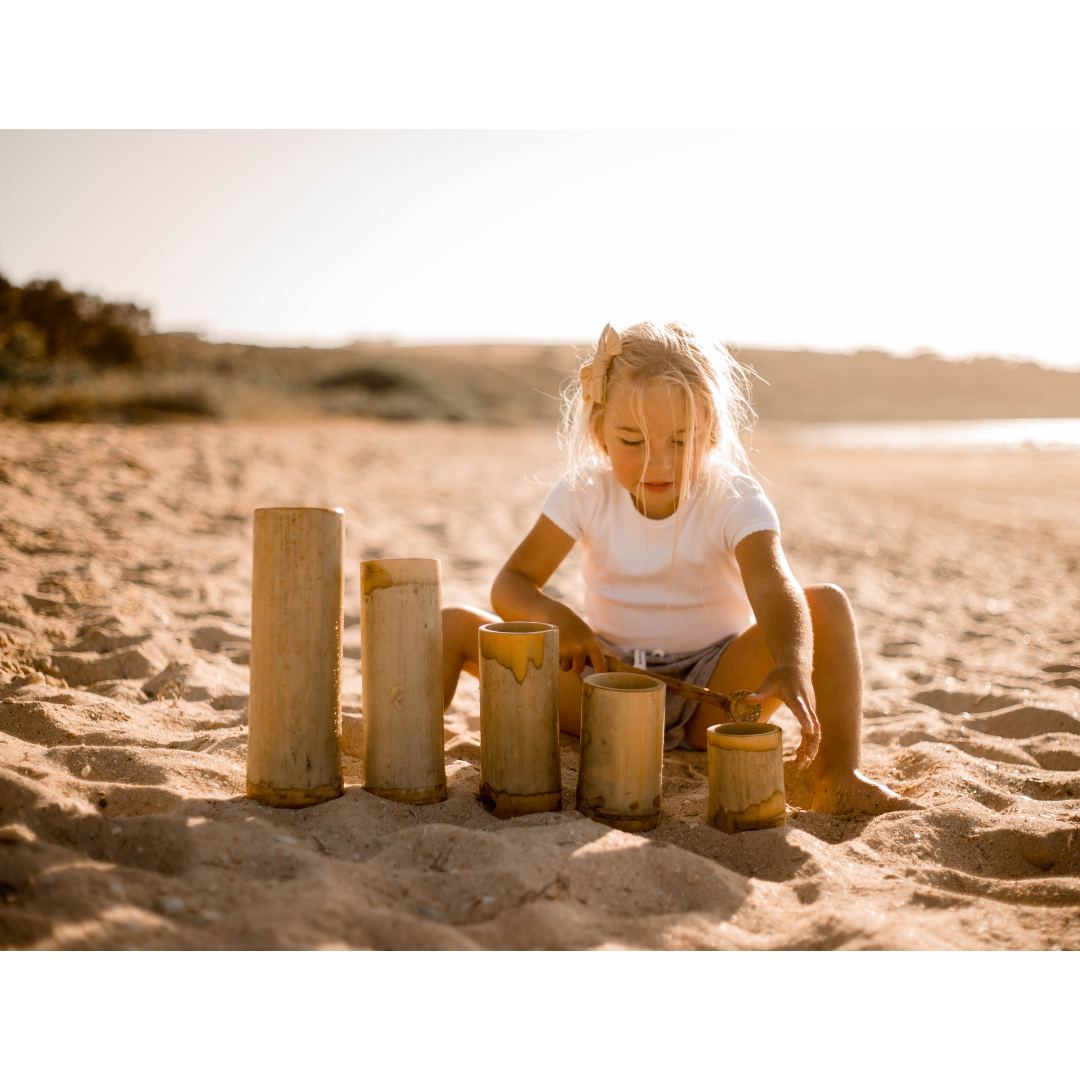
[294,724]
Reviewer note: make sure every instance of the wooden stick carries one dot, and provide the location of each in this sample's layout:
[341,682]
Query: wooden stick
[743,710]
[294,725]
[401,663]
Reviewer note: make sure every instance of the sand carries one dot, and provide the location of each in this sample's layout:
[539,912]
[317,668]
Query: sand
[124,621]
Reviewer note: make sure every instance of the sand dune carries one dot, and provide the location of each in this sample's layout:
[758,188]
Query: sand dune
[512,384]
[124,618]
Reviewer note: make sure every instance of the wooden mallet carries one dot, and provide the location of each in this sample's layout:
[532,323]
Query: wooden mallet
[735,705]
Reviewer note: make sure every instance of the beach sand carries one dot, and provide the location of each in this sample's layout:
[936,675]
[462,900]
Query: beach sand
[125,570]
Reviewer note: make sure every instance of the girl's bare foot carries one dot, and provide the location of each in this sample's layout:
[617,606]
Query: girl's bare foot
[857,794]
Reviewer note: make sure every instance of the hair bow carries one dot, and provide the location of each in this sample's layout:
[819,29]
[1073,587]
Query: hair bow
[593,375]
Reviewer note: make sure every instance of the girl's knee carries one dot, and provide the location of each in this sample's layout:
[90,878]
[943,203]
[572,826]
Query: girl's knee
[827,599]
[570,703]
[460,625]
[570,725]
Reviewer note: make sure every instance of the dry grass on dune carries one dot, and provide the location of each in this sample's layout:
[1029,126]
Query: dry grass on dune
[124,618]
[181,376]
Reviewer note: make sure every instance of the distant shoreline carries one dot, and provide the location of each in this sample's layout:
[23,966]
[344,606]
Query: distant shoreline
[1037,433]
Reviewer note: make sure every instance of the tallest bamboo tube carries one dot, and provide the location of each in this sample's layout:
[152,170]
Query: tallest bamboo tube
[294,724]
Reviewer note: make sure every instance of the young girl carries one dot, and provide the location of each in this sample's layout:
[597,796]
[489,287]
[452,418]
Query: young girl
[683,568]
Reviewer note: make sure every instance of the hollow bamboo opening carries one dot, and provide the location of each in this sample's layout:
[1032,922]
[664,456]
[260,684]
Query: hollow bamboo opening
[388,573]
[619,681]
[743,736]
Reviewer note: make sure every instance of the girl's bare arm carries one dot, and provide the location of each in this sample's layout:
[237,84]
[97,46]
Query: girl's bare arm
[516,595]
[784,617]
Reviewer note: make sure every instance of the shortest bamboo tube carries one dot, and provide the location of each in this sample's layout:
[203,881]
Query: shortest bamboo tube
[401,665]
[294,712]
[746,777]
[622,750]
[520,771]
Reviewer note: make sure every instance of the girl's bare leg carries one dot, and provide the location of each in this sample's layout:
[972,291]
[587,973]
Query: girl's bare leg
[461,648]
[839,786]
[461,652]
[570,703]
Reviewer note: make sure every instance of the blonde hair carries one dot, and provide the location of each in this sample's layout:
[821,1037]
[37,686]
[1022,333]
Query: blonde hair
[714,386]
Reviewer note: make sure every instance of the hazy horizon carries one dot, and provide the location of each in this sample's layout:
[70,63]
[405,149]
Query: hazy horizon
[959,244]
[739,346]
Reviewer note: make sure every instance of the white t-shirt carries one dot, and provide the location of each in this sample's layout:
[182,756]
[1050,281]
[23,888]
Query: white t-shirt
[671,584]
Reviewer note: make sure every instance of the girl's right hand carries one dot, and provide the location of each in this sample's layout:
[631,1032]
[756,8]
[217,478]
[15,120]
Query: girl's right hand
[578,646]
[517,595]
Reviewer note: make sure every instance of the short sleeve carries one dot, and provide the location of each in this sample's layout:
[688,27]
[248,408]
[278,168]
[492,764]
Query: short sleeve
[746,510]
[571,507]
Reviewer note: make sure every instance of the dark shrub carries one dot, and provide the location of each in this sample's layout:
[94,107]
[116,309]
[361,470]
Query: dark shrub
[376,379]
[74,324]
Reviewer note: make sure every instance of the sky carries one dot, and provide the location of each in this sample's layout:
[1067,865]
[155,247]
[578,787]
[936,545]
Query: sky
[963,243]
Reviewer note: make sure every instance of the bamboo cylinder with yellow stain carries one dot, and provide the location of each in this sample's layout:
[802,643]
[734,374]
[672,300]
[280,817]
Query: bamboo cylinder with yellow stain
[622,750]
[294,709]
[520,771]
[401,670]
[746,777]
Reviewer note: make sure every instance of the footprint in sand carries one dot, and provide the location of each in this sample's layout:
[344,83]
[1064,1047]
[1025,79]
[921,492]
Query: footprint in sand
[955,702]
[1055,750]
[1024,722]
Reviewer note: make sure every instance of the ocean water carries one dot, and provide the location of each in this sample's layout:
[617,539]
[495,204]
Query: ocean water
[1060,432]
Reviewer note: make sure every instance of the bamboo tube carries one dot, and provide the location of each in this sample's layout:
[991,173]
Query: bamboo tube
[520,771]
[622,750]
[746,777]
[294,725]
[401,665]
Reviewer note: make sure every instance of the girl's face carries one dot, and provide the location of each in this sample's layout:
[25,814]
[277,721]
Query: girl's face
[646,447]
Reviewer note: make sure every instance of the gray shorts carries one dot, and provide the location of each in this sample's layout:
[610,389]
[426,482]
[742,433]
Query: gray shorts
[692,667]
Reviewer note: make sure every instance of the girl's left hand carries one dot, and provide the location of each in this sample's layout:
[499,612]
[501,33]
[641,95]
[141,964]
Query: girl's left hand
[793,687]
